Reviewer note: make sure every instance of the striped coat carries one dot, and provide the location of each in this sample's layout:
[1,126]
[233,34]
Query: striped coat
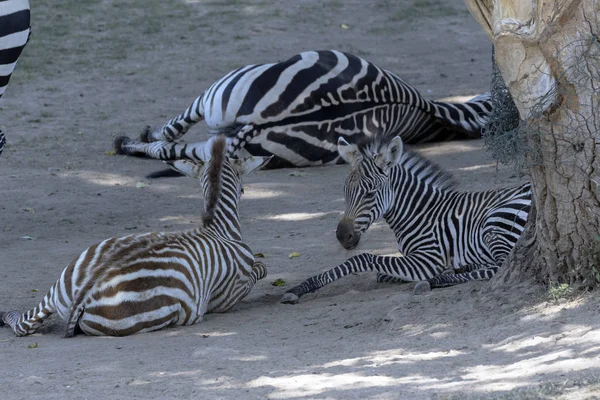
[296,109]
[436,226]
[144,282]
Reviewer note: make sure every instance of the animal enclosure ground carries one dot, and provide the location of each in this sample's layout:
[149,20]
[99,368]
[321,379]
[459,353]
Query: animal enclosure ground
[96,69]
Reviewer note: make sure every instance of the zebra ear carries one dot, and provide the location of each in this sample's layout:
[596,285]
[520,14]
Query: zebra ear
[193,169]
[349,152]
[390,155]
[249,164]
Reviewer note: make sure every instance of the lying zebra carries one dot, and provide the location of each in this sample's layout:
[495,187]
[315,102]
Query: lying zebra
[296,110]
[435,225]
[145,282]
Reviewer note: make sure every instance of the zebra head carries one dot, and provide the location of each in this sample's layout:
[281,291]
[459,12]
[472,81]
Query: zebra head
[367,189]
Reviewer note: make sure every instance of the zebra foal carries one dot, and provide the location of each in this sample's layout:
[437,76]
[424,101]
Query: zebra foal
[435,225]
[296,109]
[145,282]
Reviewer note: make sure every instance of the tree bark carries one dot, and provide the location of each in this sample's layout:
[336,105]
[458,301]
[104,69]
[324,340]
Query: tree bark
[548,53]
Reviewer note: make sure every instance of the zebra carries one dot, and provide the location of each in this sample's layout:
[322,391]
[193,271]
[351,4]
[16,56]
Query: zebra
[436,226]
[14,34]
[144,282]
[296,109]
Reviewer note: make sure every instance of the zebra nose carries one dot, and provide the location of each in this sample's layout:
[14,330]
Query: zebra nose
[346,235]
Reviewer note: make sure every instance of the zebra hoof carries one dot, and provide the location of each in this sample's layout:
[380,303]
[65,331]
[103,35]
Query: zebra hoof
[289,298]
[2,314]
[118,144]
[422,287]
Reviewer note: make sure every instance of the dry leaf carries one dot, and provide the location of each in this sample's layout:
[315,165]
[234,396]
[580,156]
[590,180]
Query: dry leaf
[259,255]
[140,185]
[29,210]
[344,26]
[109,153]
[32,346]
[294,255]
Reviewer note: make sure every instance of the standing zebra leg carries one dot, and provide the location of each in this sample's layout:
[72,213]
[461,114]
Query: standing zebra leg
[15,18]
[400,268]
[176,127]
[485,272]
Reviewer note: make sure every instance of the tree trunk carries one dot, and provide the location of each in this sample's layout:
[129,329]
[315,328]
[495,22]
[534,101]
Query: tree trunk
[548,53]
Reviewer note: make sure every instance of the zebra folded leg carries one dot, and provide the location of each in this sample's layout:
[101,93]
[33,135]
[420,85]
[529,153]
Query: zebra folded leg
[178,126]
[30,321]
[259,271]
[484,273]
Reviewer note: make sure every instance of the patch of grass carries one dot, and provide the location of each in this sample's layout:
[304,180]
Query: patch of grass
[559,291]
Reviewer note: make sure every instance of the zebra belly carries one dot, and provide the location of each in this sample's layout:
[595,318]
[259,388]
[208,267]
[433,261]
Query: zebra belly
[129,319]
[139,307]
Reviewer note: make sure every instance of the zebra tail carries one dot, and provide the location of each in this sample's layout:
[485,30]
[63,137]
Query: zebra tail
[74,317]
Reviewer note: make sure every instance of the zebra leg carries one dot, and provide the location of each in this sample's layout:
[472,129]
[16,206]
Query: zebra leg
[27,323]
[160,150]
[483,273]
[410,268]
[259,271]
[176,127]
[226,302]
[237,138]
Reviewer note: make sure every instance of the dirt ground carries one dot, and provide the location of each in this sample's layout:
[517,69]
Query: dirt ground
[96,69]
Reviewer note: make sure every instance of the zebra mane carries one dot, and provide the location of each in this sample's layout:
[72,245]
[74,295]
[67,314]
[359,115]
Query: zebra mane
[422,168]
[213,175]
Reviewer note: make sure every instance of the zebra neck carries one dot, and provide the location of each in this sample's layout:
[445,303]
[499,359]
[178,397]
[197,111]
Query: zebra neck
[412,196]
[226,221]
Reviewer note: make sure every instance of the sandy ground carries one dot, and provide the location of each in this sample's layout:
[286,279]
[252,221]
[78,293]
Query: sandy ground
[96,69]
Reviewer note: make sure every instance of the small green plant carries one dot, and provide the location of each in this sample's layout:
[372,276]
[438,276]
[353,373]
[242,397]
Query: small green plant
[559,291]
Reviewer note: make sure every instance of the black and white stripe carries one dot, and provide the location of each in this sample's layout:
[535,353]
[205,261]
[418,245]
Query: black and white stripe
[144,282]
[436,226]
[14,33]
[296,110]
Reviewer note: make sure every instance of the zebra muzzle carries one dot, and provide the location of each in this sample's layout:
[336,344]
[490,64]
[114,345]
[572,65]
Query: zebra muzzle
[346,234]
